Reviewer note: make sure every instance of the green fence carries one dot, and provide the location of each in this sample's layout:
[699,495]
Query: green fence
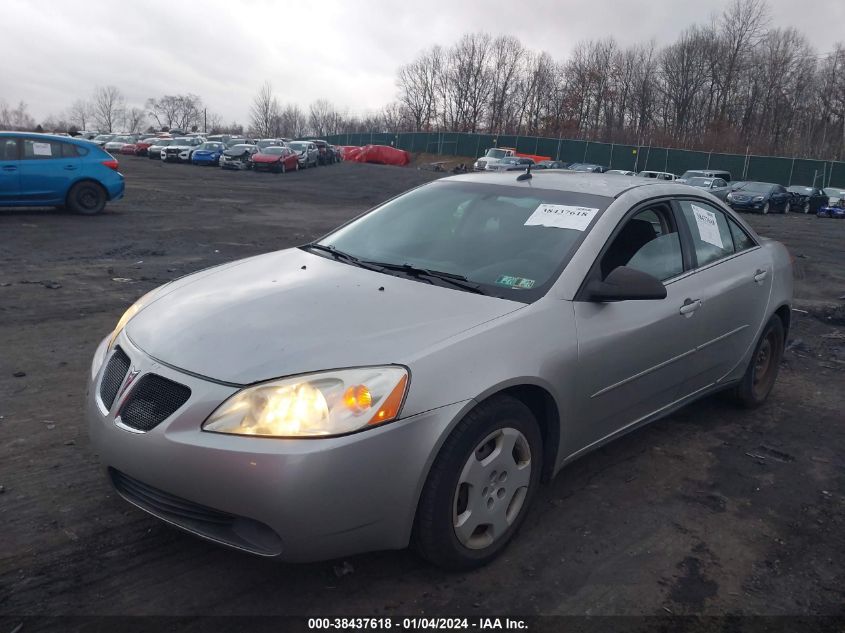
[786,171]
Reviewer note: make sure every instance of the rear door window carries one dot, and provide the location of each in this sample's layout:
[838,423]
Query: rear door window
[37,149]
[710,231]
[8,148]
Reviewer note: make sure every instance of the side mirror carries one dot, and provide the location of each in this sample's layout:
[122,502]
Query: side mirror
[626,284]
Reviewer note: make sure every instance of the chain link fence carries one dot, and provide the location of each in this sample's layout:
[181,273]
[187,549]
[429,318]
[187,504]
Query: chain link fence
[781,170]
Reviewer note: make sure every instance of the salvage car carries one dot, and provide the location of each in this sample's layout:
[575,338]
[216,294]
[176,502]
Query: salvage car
[587,167]
[658,175]
[759,196]
[276,159]
[309,155]
[181,149]
[415,374]
[511,163]
[238,156]
[717,186]
[706,173]
[208,153]
[45,170]
[155,150]
[807,199]
[550,164]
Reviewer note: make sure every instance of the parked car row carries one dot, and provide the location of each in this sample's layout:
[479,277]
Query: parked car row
[753,196]
[237,153]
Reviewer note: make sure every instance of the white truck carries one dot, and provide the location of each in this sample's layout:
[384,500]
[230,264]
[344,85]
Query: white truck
[493,156]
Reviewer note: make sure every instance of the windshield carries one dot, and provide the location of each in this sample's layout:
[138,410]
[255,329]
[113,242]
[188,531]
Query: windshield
[799,189]
[298,146]
[755,187]
[163,143]
[104,137]
[182,141]
[240,147]
[834,192]
[276,151]
[582,167]
[511,241]
[211,146]
[496,153]
[700,182]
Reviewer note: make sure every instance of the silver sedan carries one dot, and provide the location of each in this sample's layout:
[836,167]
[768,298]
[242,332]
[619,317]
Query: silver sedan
[416,373]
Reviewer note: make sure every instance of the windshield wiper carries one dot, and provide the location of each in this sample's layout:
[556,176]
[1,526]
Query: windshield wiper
[456,280]
[341,256]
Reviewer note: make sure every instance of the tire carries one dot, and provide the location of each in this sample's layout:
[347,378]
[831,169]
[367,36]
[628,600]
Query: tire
[86,198]
[447,499]
[787,207]
[765,209]
[297,166]
[806,207]
[283,169]
[755,386]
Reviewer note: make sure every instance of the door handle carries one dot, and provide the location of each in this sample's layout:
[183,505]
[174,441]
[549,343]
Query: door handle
[70,167]
[689,307]
[760,275]
[9,168]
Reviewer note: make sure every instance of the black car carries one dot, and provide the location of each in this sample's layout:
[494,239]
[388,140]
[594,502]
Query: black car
[551,164]
[762,197]
[588,167]
[325,156]
[807,199]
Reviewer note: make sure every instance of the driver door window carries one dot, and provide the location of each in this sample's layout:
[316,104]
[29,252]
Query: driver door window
[648,242]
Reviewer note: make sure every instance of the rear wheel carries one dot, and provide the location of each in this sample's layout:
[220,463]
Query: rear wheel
[759,378]
[86,198]
[480,486]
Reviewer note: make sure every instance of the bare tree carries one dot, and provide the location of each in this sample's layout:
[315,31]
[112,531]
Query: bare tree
[15,118]
[107,107]
[292,121]
[135,119]
[264,113]
[323,118]
[182,112]
[80,114]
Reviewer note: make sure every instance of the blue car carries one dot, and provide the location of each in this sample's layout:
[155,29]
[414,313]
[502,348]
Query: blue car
[41,170]
[208,153]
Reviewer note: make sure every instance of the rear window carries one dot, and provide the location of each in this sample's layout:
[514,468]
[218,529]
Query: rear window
[37,149]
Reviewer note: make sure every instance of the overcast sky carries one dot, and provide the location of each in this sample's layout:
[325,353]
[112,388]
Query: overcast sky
[58,51]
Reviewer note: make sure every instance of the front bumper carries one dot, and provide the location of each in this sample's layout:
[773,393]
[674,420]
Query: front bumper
[748,205]
[296,500]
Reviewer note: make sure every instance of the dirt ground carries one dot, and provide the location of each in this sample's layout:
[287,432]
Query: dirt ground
[714,510]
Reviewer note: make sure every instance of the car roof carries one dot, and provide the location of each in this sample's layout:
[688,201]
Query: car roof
[608,185]
[50,137]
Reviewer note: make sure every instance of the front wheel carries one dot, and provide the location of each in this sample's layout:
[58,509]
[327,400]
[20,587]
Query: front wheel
[786,208]
[806,207]
[765,208]
[87,198]
[283,169]
[480,486]
[759,378]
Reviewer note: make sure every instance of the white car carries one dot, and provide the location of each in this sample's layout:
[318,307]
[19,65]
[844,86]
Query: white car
[181,149]
[117,143]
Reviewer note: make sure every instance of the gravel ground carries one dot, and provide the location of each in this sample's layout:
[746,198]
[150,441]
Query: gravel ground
[714,510]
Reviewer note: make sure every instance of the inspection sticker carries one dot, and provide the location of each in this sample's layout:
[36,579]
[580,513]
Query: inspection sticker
[42,149]
[515,282]
[708,230]
[562,216]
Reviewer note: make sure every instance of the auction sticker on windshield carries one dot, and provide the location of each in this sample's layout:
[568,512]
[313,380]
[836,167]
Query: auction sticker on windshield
[562,216]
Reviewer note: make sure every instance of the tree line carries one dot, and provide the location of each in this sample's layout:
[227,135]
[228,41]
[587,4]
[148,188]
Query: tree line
[734,84]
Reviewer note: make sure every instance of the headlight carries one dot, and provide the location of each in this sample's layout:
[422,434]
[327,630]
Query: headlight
[134,309]
[758,199]
[314,405]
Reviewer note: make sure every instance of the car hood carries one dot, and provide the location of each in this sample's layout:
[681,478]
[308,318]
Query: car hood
[292,312]
[180,147]
[266,158]
[235,153]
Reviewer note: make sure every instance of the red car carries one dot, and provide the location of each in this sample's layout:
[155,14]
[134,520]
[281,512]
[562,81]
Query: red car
[141,147]
[129,148]
[277,159]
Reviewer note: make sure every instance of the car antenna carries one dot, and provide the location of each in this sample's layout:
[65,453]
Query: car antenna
[527,175]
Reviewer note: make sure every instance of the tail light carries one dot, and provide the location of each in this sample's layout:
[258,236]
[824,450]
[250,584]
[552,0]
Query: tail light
[111,164]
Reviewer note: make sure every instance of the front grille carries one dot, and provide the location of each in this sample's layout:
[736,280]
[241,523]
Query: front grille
[220,526]
[113,376]
[152,401]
